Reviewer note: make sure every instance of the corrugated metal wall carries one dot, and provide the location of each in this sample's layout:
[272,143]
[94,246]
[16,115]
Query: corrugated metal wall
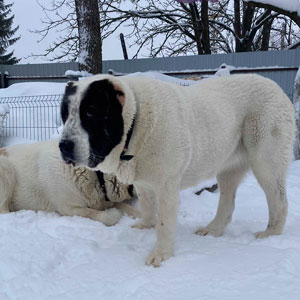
[285,78]
[40,72]
[289,59]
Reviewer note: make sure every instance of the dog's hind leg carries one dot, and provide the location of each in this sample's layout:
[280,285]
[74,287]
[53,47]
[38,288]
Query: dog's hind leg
[7,183]
[269,145]
[228,182]
[271,178]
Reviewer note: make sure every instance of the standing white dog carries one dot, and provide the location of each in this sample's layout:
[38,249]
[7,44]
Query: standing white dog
[163,137]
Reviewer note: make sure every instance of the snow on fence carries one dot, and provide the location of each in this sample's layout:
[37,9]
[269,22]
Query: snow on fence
[32,117]
[4,111]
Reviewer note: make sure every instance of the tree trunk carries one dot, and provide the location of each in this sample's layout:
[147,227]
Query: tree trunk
[196,27]
[247,22]
[90,44]
[237,24]
[205,27]
[282,36]
[266,34]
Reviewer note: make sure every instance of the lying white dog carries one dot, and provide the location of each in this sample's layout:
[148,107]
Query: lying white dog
[163,137]
[33,176]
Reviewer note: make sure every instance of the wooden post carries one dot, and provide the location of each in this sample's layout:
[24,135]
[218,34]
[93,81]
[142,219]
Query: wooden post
[123,46]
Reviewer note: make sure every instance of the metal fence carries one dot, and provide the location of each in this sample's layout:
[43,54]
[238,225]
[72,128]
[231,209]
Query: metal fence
[38,117]
[32,117]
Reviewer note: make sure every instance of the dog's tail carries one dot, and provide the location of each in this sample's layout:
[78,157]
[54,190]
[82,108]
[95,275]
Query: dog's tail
[7,183]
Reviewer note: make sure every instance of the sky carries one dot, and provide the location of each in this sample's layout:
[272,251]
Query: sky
[28,16]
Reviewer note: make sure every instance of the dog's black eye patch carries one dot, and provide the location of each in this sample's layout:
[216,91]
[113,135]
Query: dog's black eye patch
[64,108]
[101,117]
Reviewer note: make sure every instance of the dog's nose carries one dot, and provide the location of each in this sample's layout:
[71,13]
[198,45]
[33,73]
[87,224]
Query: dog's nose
[67,150]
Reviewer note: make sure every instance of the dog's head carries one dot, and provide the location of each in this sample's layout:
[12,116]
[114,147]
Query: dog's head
[91,111]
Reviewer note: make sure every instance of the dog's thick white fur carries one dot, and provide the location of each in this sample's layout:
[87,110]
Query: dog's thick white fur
[33,176]
[220,127]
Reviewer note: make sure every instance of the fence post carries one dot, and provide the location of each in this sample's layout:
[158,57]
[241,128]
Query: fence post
[5,79]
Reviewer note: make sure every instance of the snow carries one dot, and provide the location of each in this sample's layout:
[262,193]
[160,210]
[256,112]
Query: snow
[289,5]
[296,102]
[4,109]
[71,73]
[47,256]
[223,71]
[33,88]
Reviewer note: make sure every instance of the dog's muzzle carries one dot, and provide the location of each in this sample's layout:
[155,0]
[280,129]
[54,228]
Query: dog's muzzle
[67,151]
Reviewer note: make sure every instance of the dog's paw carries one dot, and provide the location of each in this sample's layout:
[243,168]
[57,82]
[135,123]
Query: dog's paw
[157,257]
[265,234]
[111,216]
[208,231]
[141,225]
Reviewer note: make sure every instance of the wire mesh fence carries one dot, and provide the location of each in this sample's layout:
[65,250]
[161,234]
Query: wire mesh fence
[3,116]
[32,117]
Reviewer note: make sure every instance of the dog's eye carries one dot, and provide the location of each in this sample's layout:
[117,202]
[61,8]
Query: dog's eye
[90,111]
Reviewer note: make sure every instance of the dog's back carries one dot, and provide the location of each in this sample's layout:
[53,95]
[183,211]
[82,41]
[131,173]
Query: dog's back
[27,162]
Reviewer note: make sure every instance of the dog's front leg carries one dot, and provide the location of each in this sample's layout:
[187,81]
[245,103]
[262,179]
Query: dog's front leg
[147,203]
[167,198]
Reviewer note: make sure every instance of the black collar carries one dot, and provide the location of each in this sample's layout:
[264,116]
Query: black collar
[129,134]
[101,180]
[100,177]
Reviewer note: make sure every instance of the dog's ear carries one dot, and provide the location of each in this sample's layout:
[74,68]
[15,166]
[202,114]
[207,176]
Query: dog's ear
[120,94]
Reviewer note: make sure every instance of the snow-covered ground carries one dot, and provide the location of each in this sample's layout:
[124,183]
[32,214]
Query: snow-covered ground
[47,256]
[33,89]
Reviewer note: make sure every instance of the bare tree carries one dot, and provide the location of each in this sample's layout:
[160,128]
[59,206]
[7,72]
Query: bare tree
[249,27]
[292,15]
[78,23]
[170,28]
[166,27]
[291,35]
[90,44]
[61,17]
